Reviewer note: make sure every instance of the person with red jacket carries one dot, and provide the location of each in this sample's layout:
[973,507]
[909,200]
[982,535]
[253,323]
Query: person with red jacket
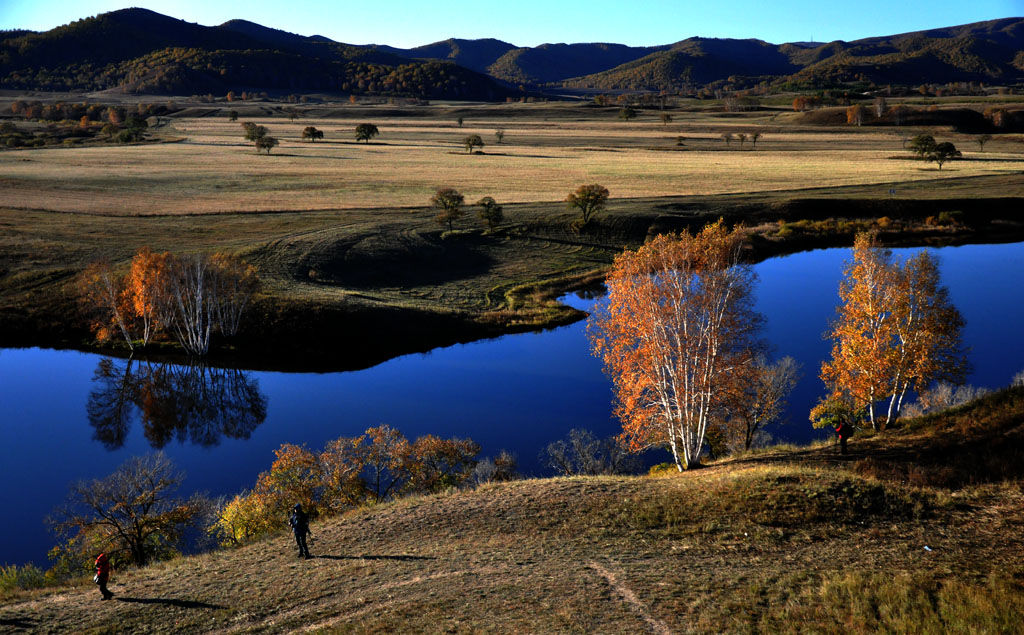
[103,574]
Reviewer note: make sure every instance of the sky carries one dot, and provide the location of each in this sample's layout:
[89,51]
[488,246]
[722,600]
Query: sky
[409,23]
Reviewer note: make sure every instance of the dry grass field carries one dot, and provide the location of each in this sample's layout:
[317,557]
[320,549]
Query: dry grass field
[213,170]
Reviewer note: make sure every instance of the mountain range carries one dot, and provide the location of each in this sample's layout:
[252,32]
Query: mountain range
[137,50]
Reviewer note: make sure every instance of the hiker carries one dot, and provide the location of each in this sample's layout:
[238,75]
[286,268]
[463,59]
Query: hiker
[299,521]
[844,431]
[103,574]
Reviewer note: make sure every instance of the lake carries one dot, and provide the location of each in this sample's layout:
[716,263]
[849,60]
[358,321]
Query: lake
[65,415]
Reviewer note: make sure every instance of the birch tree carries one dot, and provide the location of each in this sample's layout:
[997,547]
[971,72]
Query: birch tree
[192,301]
[100,290]
[896,331]
[677,328]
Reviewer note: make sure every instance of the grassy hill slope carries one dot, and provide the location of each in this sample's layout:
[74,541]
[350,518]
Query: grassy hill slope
[782,541]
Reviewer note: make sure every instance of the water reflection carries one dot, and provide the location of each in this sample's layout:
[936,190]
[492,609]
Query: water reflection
[195,402]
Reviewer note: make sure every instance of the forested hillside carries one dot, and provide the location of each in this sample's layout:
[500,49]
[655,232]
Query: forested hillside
[141,51]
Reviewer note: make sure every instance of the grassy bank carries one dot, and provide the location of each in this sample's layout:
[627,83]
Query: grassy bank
[787,540]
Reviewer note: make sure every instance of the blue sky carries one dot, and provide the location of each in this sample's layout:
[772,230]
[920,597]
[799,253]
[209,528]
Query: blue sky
[408,23]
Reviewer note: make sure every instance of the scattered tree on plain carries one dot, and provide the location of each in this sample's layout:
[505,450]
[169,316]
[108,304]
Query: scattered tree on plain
[942,153]
[449,201]
[742,137]
[459,121]
[727,137]
[233,115]
[982,140]
[132,510]
[675,334]
[896,331]
[490,212]
[921,145]
[666,118]
[754,136]
[588,200]
[311,133]
[473,141]
[366,131]
[627,113]
[499,134]
[266,143]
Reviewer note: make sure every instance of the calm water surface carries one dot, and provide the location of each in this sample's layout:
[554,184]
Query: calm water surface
[67,416]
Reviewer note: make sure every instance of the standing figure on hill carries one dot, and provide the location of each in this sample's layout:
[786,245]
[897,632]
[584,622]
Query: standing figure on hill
[844,431]
[103,574]
[299,521]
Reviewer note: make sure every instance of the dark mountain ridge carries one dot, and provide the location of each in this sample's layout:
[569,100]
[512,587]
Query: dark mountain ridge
[143,51]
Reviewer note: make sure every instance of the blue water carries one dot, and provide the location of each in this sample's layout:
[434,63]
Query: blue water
[517,392]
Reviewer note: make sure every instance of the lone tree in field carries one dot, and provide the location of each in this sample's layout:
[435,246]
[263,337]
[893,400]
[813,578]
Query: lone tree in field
[490,212]
[266,143]
[311,133]
[675,335]
[499,134]
[666,118]
[449,201]
[132,510]
[473,141]
[942,153]
[896,331]
[727,137]
[627,113]
[589,200]
[982,140]
[366,131]
[754,136]
[233,115]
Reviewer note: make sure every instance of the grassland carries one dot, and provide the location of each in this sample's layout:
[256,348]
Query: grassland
[341,231]
[918,530]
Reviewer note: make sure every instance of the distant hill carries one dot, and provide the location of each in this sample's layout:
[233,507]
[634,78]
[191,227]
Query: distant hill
[140,50]
[692,62]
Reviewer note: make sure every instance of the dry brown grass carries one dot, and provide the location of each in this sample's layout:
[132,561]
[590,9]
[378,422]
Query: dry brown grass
[214,170]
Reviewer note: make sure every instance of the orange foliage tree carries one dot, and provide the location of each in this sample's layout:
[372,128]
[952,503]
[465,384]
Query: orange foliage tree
[351,471]
[145,290]
[101,294]
[895,331]
[678,327]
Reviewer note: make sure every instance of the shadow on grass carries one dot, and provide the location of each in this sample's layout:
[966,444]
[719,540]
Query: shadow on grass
[184,604]
[366,557]
[18,622]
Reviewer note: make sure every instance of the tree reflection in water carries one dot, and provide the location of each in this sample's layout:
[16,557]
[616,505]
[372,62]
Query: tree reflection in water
[195,402]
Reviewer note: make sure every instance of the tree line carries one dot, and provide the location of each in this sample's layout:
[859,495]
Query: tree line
[189,296]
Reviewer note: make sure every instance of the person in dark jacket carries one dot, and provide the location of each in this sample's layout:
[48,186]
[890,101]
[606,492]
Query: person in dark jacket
[103,575]
[299,521]
[844,431]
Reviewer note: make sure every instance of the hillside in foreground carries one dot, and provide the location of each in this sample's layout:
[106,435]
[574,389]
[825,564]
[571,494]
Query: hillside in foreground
[918,530]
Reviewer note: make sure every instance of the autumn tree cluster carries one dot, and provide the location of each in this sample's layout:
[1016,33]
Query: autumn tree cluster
[189,296]
[896,331]
[349,472]
[677,335]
